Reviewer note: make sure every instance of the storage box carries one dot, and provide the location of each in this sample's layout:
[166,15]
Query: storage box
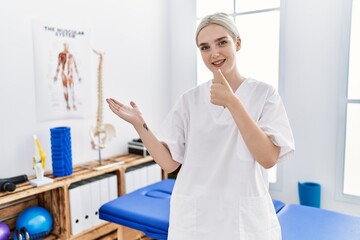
[137,147]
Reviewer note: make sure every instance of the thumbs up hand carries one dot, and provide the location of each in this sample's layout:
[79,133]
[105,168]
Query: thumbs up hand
[220,90]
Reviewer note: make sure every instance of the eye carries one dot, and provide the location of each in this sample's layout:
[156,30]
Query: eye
[204,48]
[222,43]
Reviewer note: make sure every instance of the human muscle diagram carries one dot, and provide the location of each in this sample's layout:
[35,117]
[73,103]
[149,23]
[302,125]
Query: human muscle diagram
[62,64]
[68,68]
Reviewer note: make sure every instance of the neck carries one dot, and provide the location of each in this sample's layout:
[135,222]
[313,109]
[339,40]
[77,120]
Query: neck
[235,79]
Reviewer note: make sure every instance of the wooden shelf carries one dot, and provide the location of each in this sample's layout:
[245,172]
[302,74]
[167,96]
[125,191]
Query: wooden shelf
[55,198]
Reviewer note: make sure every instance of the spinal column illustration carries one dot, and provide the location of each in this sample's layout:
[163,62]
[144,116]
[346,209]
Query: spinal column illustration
[101,134]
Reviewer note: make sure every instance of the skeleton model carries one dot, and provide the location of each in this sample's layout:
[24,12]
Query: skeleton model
[101,134]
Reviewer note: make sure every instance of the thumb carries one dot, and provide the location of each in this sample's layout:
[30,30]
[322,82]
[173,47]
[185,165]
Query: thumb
[219,76]
[133,104]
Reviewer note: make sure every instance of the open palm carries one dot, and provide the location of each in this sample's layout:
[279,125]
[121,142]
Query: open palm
[131,114]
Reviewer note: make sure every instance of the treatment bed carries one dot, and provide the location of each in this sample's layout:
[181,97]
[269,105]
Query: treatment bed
[147,210]
[300,222]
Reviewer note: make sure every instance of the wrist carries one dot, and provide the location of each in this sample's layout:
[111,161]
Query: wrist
[140,125]
[233,104]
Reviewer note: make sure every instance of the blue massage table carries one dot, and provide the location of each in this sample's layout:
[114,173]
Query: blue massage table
[147,210]
[300,222]
[278,205]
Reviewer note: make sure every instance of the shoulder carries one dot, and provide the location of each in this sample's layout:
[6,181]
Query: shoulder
[192,97]
[261,88]
[260,85]
[196,91]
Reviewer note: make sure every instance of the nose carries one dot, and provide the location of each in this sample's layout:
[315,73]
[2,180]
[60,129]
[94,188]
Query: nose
[215,52]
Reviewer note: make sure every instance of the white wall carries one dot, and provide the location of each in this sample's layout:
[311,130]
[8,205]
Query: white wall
[182,45]
[134,35]
[162,60]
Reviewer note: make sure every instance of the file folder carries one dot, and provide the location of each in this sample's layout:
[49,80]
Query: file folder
[113,187]
[95,201]
[75,209]
[129,181]
[86,205]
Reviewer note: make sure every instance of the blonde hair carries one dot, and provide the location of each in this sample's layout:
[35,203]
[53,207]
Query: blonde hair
[221,19]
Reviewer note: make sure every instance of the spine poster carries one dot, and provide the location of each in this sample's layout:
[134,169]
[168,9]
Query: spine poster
[62,56]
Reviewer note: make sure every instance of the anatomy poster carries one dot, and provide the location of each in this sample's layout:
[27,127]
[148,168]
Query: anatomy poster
[62,70]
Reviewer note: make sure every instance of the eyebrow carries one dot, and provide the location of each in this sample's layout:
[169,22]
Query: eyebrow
[216,40]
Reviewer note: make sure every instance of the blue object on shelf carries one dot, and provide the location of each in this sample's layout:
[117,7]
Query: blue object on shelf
[36,221]
[61,153]
[309,194]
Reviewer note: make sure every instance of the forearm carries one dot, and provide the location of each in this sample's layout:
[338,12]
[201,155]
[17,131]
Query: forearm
[259,144]
[157,149]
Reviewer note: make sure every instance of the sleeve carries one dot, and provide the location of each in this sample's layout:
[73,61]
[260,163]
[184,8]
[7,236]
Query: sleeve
[274,122]
[173,130]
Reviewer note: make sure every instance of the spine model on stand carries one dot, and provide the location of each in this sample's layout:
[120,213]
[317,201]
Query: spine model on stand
[102,133]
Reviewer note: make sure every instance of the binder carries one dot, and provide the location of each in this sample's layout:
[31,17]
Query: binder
[113,186]
[154,174]
[158,173]
[104,189]
[86,205]
[129,181]
[137,178]
[75,209]
[95,201]
[143,177]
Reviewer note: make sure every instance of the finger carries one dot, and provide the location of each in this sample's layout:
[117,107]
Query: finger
[112,100]
[217,77]
[113,108]
[116,104]
[221,77]
[113,105]
[133,104]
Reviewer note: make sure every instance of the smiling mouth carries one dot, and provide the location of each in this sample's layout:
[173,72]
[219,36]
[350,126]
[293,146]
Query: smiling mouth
[218,63]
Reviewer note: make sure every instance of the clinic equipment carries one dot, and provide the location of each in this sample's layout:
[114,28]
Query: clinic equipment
[147,210]
[102,133]
[4,231]
[39,160]
[33,223]
[9,184]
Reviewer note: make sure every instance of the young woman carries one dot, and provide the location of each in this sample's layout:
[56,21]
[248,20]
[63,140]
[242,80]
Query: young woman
[225,133]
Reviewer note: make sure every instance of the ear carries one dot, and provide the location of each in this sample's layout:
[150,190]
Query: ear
[238,43]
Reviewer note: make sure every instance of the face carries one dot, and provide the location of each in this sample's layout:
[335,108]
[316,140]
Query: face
[218,48]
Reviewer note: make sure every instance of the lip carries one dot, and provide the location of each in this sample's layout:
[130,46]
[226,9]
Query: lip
[218,63]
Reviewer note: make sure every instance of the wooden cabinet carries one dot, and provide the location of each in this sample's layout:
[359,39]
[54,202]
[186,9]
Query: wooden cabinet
[55,198]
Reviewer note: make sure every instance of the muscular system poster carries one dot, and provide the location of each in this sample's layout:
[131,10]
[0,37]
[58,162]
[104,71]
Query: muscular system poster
[62,70]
